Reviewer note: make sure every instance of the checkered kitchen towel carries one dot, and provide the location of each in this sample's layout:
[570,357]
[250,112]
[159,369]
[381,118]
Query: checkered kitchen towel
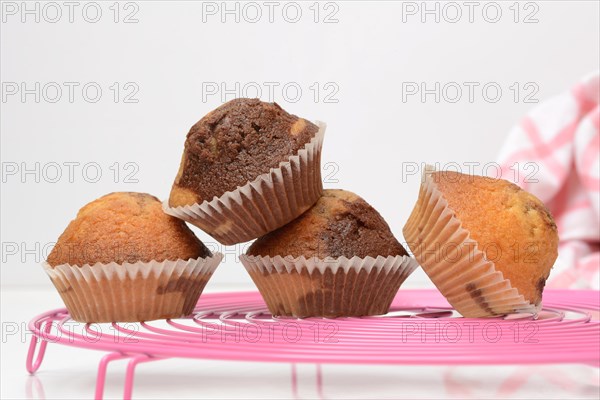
[556,151]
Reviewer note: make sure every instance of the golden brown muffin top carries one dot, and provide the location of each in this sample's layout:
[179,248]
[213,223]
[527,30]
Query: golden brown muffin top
[511,226]
[233,145]
[125,227]
[339,224]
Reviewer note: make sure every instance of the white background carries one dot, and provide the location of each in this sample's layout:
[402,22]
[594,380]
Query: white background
[175,50]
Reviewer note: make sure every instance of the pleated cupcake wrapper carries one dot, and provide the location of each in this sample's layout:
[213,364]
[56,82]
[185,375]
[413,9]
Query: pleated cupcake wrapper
[470,283]
[263,205]
[342,287]
[132,292]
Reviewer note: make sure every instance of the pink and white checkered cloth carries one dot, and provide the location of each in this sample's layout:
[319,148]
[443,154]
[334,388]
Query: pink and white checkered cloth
[561,137]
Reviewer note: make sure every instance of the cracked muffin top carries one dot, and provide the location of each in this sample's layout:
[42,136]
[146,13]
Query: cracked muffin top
[511,226]
[125,227]
[234,144]
[339,224]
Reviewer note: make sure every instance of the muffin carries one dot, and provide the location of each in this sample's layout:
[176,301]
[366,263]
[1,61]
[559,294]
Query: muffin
[338,259]
[485,243]
[122,259]
[248,168]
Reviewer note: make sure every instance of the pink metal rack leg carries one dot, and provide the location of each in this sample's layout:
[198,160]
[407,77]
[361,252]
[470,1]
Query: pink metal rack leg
[134,360]
[32,365]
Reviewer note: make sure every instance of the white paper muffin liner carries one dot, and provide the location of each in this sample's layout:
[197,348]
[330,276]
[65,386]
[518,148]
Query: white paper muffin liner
[311,287]
[470,283]
[132,292]
[270,201]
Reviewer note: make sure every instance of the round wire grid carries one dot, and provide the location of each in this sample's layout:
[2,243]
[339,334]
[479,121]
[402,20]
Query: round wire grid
[421,328]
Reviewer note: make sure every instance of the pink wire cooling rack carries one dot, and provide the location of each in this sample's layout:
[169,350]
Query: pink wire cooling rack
[421,328]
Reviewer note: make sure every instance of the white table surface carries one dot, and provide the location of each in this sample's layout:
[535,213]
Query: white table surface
[70,373]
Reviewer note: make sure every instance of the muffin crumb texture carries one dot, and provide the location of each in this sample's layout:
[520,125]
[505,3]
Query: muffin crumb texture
[339,224]
[125,227]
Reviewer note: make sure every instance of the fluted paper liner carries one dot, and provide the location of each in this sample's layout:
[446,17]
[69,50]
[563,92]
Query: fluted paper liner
[311,287]
[270,201]
[132,292]
[470,283]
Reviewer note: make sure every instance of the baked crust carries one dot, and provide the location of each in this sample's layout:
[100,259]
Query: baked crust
[339,224]
[234,144]
[511,226]
[125,227]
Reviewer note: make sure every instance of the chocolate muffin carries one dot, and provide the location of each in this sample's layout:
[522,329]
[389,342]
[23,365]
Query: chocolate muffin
[487,244]
[233,145]
[337,259]
[248,167]
[123,259]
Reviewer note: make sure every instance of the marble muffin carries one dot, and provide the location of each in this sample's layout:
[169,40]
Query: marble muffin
[510,231]
[340,224]
[338,259]
[123,259]
[248,168]
[234,144]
